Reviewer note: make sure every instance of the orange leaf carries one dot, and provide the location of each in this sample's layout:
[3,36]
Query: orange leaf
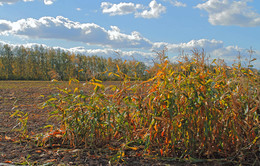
[180,62]
[134,148]
[161,152]
[8,138]
[155,128]
[8,162]
[116,134]
[179,78]
[138,154]
[162,134]
[147,71]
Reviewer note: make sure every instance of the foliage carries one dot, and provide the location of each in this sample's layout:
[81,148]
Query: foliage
[39,63]
[186,111]
[22,119]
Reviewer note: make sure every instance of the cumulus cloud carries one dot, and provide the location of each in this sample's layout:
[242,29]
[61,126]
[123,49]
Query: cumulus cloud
[63,28]
[48,2]
[2,2]
[176,3]
[153,11]
[227,12]
[206,44]
[120,9]
[8,1]
[214,48]
[5,26]
[108,52]
[111,40]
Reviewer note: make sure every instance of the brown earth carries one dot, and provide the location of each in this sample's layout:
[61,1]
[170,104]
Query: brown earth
[26,96]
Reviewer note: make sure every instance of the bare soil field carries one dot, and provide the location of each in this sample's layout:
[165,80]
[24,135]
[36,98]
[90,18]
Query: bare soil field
[28,96]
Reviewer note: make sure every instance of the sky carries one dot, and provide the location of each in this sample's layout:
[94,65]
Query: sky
[135,29]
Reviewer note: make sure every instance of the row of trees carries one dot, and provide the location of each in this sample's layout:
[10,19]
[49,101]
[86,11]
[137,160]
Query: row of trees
[39,63]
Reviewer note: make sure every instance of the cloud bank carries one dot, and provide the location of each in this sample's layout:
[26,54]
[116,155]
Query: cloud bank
[111,40]
[229,12]
[63,28]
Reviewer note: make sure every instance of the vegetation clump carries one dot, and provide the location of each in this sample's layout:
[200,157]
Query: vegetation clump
[188,111]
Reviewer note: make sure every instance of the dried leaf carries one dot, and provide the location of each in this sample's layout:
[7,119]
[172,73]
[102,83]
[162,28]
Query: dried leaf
[8,138]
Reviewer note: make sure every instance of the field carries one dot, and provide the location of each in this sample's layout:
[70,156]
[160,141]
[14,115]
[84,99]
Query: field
[27,97]
[191,113]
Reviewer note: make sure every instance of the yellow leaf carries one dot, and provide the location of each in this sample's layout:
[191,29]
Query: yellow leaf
[133,148]
[256,138]
[118,69]
[97,84]
[52,99]
[155,128]
[76,89]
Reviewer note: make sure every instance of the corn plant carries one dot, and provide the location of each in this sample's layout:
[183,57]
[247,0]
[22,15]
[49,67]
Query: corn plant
[22,119]
[187,110]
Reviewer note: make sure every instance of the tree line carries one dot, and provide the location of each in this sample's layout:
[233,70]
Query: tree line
[40,63]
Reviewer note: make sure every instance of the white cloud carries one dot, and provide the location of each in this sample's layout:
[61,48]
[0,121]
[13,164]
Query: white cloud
[5,25]
[227,12]
[207,45]
[2,2]
[63,28]
[153,11]
[8,1]
[176,3]
[111,40]
[119,9]
[107,52]
[48,2]
[214,48]
[78,9]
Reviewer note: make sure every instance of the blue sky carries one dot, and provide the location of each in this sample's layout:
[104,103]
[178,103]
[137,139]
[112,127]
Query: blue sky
[135,28]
